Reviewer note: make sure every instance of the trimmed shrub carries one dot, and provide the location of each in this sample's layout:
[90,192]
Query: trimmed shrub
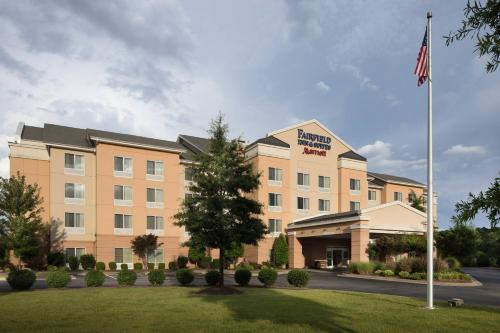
[212,278]
[52,268]
[94,278]
[57,279]
[126,277]
[87,261]
[182,261]
[73,263]
[279,251]
[100,266]
[452,276]
[123,267]
[55,259]
[151,266]
[482,260]
[250,267]
[156,277]
[363,268]
[21,279]
[388,272]
[205,262]
[453,263]
[112,266]
[242,276]
[404,274]
[137,266]
[184,276]
[268,276]
[298,277]
[418,265]
[172,266]
[161,266]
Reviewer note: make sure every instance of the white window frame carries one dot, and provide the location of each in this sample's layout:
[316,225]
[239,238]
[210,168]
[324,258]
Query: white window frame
[305,176]
[83,251]
[123,230]
[129,263]
[357,186]
[75,200]
[278,198]
[158,172]
[272,229]
[326,205]
[155,204]
[323,188]
[74,171]
[158,231]
[375,195]
[75,230]
[305,202]
[122,201]
[278,176]
[398,196]
[356,203]
[123,173]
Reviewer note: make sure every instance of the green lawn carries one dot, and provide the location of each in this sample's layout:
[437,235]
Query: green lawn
[175,309]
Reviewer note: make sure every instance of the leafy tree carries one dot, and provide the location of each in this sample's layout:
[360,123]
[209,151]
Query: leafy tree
[196,251]
[21,227]
[234,252]
[221,213]
[482,22]
[279,251]
[460,241]
[416,202]
[142,244]
[487,202]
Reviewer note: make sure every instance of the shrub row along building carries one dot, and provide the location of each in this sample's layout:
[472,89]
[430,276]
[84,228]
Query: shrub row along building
[101,189]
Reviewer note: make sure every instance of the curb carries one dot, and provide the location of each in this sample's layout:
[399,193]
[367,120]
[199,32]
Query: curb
[473,283]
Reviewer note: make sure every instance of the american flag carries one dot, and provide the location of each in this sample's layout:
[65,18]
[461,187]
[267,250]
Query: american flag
[421,69]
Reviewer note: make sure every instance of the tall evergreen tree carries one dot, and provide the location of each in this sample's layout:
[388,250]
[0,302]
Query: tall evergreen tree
[221,212]
[279,251]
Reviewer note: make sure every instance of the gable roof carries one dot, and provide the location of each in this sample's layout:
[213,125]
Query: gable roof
[270,140]
[353,156]
[195,143]
[313,121]
[395,179]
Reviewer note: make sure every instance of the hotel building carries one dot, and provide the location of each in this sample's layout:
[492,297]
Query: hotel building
[101,189]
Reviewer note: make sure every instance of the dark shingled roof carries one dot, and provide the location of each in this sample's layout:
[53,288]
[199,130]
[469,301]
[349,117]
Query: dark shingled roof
[353,156]
[328,217]
[195,142]
[394,179]
[135,139]
[66,136]
[32,133]
[272,141]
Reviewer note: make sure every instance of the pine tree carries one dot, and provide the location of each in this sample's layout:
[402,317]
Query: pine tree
[220,213]
[279,252]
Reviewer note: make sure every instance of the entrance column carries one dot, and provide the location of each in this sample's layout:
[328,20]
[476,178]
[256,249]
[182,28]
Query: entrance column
[295,256]
[360,237]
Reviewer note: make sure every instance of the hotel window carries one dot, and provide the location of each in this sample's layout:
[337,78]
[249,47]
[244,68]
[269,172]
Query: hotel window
[275,176]
[303,179]
[274,227]
[354,205]
[398,196]
[74,252]
[74,223]
[74,164]
[123,195]
[155,256]
[154,170]
[302,203]
[123,166]
[154,225]
[275,202]
[123,256]
[372,195]
[123,224]
[354,184]
[154,198]
[323,205]
[188,174]
[324,183]
[74,193]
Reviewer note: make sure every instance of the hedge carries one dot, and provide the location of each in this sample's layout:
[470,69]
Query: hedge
[267,276]
[298,277]
[100,266]
[112,266]
[126,277]
[87,261]
[184,276]
[57,279]
[21,279]
[94,278]
[242,276]
[156,277]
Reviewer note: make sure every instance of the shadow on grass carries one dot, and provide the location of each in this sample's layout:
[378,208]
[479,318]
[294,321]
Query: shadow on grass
[281,308]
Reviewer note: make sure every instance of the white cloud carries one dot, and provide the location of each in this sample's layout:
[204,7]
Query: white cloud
[322,86]
[461,149]
[380,157]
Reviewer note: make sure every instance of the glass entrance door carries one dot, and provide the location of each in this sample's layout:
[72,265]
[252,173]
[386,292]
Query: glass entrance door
[336,256]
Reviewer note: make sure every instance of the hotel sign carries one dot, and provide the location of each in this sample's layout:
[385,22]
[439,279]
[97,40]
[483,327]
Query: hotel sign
[314,144]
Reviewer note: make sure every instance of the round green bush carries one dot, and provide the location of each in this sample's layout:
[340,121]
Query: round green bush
[126,277]
[112,266]
[124,267]
[182,261]
[212,278]
[100,266]
[57,279]
[151,266]
[404,274]
[184,276]
[94,278]
[298,277]
[172,265]
[242,276]
[137,266]
[55,259]
[21,279]
[267,276]
[73,263]
[161,266]
[52,268]
[87,261]
[156,277]
[388,272]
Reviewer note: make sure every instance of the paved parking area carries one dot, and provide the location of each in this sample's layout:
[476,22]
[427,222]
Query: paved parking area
[487,294]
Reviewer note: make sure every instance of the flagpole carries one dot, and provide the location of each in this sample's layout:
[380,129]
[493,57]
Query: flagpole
[430,193]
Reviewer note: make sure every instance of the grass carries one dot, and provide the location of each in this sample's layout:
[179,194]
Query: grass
[177,309]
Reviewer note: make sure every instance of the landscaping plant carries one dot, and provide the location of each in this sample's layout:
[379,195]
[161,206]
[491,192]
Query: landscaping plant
[151,266]
[100,266]
[156,277]
[94,278]
[137,266]
[298,277]
[267,276]
[124,267]
[87,261]
[57,279]
[279,252]
[182,261]
[212,278]
[21,279]
[184,276]
[55,259]
[172,265]
[161,266]
[112,266]
[242,276]
[73,263]
[126,277]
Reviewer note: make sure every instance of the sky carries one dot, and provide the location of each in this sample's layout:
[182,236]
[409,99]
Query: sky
[161,68]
